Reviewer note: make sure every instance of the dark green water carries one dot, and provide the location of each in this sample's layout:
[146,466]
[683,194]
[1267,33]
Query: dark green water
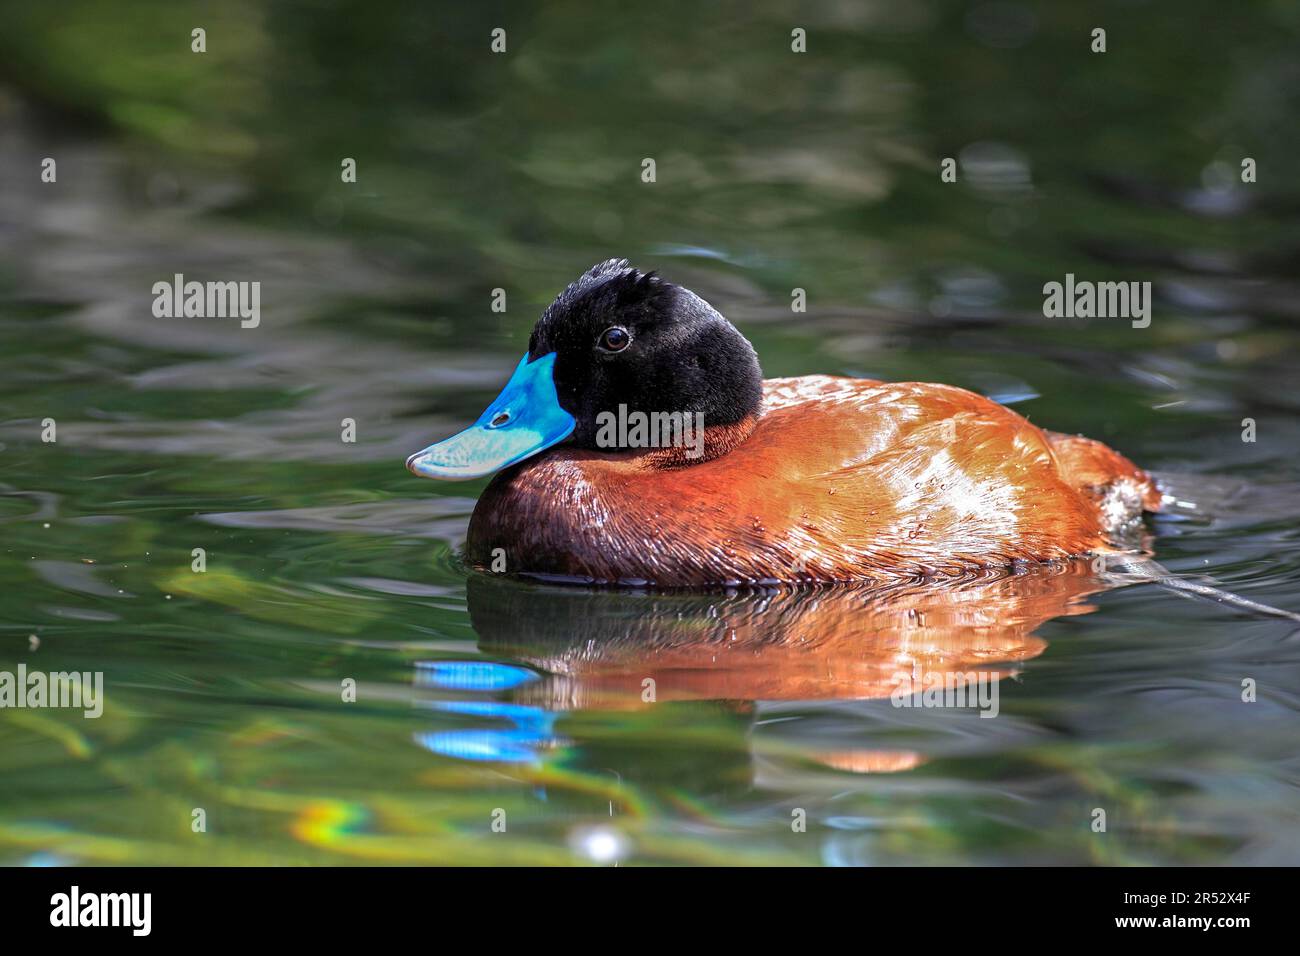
[326,561]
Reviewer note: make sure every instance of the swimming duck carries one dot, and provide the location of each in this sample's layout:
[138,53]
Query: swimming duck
[790,480]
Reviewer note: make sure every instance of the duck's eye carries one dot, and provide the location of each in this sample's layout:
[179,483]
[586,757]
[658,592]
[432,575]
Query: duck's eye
[615,339]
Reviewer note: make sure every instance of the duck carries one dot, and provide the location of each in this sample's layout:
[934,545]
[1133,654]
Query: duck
[638,444]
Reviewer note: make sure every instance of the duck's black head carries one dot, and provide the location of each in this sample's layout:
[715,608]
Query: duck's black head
[623,337]
[617,348]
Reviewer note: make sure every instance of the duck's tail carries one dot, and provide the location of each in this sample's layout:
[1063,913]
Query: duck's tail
[1141,569]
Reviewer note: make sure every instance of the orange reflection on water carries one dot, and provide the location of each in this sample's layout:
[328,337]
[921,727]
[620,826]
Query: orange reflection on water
[599,648]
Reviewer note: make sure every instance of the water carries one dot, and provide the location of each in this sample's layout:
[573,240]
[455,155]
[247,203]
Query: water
[484,700]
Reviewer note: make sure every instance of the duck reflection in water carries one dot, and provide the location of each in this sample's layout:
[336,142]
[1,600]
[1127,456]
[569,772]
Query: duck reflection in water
[615,650]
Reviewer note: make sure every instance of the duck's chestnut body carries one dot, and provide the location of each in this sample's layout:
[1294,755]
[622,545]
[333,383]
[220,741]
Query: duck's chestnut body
[834,479]
[796,480]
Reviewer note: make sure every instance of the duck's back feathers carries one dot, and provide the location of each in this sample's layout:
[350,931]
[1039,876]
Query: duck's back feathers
[840,479]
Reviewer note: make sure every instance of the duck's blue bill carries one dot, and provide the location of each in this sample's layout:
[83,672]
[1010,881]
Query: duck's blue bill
[524,419]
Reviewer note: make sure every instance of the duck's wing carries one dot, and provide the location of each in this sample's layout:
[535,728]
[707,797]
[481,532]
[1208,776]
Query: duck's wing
[926,478]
